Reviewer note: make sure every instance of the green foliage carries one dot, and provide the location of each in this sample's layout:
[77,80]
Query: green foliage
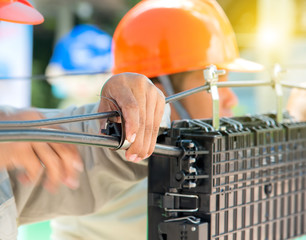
[42,50]
[42,96]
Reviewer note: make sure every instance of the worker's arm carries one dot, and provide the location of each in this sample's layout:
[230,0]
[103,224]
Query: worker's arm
[106,173]
[61,162]
[142,105]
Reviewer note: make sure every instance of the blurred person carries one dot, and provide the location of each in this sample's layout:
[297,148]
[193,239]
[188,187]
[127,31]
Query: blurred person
[171,42]
[81,62]
[31,172]
[296,104]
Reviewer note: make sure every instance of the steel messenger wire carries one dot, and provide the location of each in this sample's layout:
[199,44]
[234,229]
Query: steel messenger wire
[25,131]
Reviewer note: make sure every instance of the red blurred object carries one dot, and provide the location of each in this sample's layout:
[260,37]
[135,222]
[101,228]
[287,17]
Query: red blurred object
[19,11]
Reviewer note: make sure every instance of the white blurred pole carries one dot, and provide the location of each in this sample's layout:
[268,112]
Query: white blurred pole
[16,47]
[15,61]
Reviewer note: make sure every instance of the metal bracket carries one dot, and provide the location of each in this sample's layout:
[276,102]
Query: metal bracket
[279,92]
[235,124]
[211,75]
[178,195]
[191,219]
[116,130]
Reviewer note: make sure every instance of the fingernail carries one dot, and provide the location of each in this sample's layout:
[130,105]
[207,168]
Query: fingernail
[72,183]
[133,157]
[132,138]
[78,166]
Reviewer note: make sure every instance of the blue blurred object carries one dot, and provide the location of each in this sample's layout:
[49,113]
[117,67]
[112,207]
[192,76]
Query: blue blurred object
[85,49]
[4,69]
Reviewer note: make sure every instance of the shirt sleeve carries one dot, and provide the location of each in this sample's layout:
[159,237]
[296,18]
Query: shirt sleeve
[107,174]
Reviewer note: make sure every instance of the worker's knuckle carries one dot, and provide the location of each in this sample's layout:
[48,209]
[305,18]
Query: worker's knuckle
[143,83]
[140,77]
[63,149]
[155,130]
[142,123]
[132,105]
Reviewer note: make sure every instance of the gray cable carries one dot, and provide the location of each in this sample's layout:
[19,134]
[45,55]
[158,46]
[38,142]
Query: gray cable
[165,81]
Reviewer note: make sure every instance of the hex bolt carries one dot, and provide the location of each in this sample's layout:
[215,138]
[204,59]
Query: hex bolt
[179,176]
[191,145]
[192,160]
[190,185]
[192,170]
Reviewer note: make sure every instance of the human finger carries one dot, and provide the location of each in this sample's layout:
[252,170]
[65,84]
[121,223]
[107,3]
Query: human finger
[147,129]
[138,148]
[23,158]
[158,115]
[51,162]
[71,163]
[151,112]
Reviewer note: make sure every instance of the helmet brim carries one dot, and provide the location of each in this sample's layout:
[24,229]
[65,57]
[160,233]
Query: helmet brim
[20,12]
[242,65]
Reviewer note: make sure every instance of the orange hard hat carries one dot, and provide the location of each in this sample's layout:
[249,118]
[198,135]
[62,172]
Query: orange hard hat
[159,37]
[19,11]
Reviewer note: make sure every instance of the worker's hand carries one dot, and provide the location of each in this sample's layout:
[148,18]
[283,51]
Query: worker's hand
[61,162]
[142,106]
[296,104]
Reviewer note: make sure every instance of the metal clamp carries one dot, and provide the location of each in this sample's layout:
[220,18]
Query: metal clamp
[238,126]
[168,194]
[191,219]
[203,125]
[211,75]
[266,119]
[279,92]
